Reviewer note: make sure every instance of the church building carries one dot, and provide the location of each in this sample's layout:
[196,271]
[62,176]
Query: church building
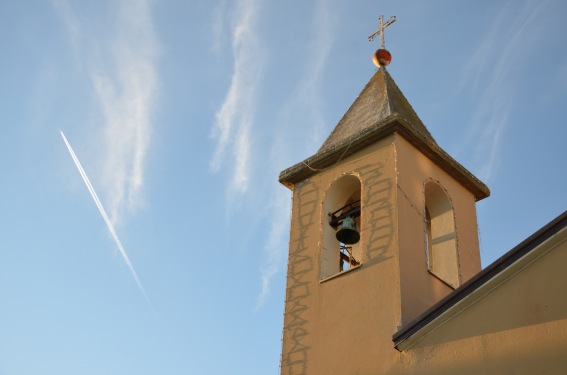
[384,273]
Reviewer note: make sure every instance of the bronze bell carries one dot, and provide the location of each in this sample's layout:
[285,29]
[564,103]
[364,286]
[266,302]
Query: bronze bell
[348,233]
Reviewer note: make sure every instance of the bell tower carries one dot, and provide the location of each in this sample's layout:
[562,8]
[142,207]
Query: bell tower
[379,173]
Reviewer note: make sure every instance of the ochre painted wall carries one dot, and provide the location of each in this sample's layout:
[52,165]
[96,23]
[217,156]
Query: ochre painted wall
[516,325]
[420,289]
[343,325]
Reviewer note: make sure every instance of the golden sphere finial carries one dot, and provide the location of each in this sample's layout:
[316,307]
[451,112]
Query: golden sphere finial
[382,57]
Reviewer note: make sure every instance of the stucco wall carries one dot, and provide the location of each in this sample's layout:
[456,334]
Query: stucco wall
[344,325]
[516,324]
[340,325]
[420,288]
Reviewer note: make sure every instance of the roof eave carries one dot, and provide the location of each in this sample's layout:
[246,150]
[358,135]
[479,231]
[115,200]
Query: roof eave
[393,123]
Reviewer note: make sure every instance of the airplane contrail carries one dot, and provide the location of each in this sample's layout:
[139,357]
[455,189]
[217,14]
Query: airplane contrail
[105,217]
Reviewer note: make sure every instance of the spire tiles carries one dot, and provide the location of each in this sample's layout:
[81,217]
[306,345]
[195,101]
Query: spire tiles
[380,99]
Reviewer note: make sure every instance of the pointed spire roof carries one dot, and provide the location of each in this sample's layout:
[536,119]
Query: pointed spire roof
[379,111]
[379,99]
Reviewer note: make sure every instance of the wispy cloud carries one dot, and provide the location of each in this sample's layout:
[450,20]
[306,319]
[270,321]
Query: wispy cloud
[235,117]
[121,63]
[303,109]
[70,21]
[218,27]
[310,89]
[501,48]
[303,112]
[105,217]
[276,245]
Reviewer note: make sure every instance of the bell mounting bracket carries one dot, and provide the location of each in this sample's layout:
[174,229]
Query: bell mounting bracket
[351,209]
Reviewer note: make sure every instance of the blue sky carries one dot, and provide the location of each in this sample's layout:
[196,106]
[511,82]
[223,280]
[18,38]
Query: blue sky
[183,113]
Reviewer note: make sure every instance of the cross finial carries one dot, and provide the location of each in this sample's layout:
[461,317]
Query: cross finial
[381,30]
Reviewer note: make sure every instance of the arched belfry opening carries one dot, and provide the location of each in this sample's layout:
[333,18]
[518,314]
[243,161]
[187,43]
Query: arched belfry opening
[440,235]
[342,201]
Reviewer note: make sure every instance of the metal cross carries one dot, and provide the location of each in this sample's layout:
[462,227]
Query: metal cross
[381,30]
